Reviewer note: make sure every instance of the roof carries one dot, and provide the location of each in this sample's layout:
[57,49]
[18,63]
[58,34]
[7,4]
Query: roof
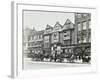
[57,27]
[66,26]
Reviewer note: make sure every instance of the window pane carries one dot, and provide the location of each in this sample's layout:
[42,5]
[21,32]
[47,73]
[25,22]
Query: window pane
[79,27]
[89,39]
[84,40]
[84,25]
[85,15]
[79,15]
[89,24]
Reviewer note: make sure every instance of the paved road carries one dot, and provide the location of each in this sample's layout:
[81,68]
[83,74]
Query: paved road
[29,64]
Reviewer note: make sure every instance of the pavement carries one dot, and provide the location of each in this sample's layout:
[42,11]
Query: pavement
[29,64]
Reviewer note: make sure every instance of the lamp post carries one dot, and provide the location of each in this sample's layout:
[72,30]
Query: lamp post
[55,57]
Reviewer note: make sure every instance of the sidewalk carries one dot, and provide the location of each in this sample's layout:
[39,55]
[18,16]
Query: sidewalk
[29,64]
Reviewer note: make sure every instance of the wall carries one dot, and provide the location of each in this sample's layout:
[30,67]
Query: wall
[5,39]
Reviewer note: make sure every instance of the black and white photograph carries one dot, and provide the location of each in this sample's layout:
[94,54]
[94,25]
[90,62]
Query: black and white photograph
[53,39]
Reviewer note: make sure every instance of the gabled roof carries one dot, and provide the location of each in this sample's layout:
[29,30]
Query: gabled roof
[49,27]
[67,21]
[65,26]
[58,24]
[37,32]
[57,27]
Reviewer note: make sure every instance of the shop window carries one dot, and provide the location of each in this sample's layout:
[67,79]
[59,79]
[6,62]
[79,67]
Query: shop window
[66,50]
[70,50]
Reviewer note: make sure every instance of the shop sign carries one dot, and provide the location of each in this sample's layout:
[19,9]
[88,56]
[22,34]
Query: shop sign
[55,37]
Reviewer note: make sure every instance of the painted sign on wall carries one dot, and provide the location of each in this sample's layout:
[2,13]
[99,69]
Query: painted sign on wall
[55,37]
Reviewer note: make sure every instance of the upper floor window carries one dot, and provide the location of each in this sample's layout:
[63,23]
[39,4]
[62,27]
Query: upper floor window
[38,36]
[79,26]
[85,15]
[84,25]
[89,39]
[68,24]
[79,15]
[30,38]
[33,37]
[66,35]
[66,50]
[89,24]
[41,36]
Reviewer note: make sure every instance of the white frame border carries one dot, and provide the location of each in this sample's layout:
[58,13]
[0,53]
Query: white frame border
[16,69]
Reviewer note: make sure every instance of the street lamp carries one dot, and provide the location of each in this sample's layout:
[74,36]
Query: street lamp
[55,49]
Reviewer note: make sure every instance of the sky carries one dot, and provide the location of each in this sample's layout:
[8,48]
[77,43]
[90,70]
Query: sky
[39,19]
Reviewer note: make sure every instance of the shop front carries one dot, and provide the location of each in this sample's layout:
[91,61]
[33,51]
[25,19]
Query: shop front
[82,52]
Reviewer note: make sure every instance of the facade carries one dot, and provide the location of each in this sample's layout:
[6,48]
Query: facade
[83,37]
[27,32]
[83,27]
[56,37]
[68,37]
[36,42]
[47,39]
[73,40]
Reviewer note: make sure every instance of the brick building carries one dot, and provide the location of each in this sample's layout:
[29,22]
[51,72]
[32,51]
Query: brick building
[82,35]
[69,38]
[26,34]
[56,37]
[47,39]
[36,41]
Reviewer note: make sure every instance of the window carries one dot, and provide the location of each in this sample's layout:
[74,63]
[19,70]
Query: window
[38,36]
[89,24]
[84,40]
[79,26]
[28,44]
[68,25]
[70,50]
[85,15]
[84,26]
[66,35]
[33,37]
[80,41]
[79,15]
[41,36]
[89,38]
[66,50]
